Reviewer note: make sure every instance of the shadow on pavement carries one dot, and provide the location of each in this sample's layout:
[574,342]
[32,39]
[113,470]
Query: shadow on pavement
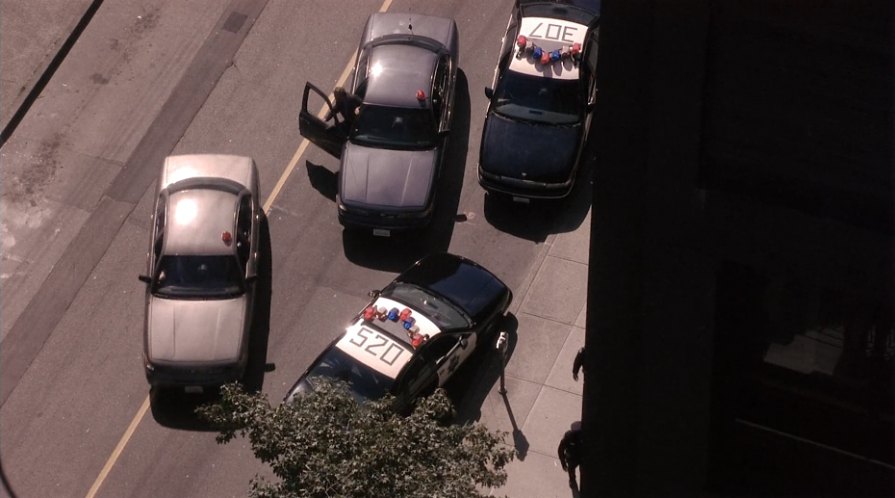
[176,409]
[323,180]
[470,386]
[399,251]
[540,218]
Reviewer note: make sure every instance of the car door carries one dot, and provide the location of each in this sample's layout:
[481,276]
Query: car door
[157,238]
[443,93]
[418,378]
[451,353]
[245,230]
[328,135]
[589,59]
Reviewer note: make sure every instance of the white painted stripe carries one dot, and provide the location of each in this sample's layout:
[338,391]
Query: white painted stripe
[815,443]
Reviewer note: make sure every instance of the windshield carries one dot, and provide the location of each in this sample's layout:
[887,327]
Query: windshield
[537,98]
[441,312]
[364,382]
[397,127]
[198,277]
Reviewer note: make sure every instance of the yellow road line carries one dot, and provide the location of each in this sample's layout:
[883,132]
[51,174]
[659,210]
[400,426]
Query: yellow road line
[125,438]
[119,448]
[304,142]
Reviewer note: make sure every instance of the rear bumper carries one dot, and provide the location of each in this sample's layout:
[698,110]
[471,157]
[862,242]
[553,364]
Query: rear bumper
[168,375]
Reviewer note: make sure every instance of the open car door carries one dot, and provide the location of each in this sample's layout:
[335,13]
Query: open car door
[328,135]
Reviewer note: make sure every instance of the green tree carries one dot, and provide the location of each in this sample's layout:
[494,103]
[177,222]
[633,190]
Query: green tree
[326,444]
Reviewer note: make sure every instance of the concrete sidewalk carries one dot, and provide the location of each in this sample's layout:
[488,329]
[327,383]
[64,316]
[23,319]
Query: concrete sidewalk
[542,400]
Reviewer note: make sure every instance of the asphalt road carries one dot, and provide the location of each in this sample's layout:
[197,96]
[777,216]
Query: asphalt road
[151,78]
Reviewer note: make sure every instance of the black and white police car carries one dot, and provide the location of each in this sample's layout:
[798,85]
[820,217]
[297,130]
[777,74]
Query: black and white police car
[541,99]
[415,332]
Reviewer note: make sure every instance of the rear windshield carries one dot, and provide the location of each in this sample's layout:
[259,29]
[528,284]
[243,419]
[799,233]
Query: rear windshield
[441,312]
[198,277]
[397,127]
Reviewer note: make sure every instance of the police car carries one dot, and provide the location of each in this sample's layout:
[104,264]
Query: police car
[415,333]
[541,99]
[391,151]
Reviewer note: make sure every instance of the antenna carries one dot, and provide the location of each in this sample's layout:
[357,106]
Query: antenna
[410,22]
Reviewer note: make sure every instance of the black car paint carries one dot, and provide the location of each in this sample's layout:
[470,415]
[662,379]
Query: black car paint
[448,273]
[508,144]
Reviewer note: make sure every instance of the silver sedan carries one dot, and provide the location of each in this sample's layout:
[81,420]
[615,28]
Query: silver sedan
[201,270]
[391,130]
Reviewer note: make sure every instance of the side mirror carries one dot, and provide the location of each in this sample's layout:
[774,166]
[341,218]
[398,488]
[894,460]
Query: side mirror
[489,92]
[464,343]
[144,278]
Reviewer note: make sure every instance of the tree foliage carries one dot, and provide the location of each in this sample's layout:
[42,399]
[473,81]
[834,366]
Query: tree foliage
[326,444]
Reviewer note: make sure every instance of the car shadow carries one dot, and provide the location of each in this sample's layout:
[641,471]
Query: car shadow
[470,386]
[176,409]
[323,180]
[399,251]
[258,366]
[541,218]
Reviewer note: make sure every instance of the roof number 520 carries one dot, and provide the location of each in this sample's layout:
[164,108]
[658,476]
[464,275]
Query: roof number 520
[379,346]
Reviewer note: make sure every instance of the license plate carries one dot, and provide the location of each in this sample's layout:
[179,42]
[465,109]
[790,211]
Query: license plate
[521,200]
[381,232]
[193,389]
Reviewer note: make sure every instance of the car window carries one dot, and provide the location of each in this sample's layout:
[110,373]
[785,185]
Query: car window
[360,75]
[244,231]
[439,87]
[159,232]
[441,345]
[198,277]
[397,127]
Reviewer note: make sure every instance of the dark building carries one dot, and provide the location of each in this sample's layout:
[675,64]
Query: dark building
[740,315]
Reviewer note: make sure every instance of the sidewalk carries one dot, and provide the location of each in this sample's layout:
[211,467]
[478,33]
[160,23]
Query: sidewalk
[542,400]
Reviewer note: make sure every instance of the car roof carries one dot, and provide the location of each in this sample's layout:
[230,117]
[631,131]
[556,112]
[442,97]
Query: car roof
[384,24]
[196,218]
[238,169]
[396,72]
[461,281]
[588,5]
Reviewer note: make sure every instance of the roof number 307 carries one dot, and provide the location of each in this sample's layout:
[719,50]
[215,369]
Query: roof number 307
[377,345]
[552,31]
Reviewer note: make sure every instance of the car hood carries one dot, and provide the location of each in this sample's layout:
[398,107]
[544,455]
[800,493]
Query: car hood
[195,330]
[528,151]
[386,178]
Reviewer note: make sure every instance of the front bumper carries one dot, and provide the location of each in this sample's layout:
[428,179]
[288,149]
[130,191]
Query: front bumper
[396,221]
[524,188]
